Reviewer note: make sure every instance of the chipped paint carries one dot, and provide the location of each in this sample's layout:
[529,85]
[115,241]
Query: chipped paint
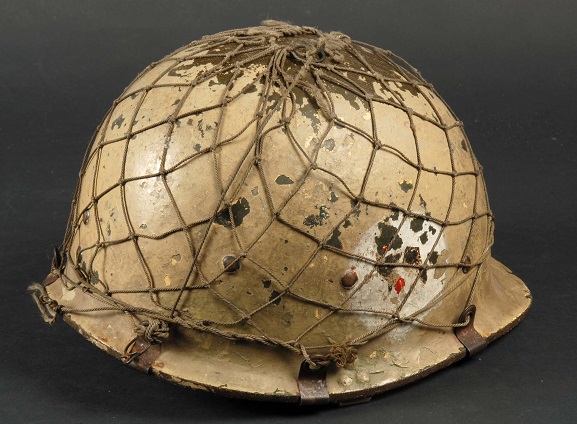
[283,180]
[334,240]
[406,185]
[275,297]
[240,209]
[375,292]
[315,220]
[417,224]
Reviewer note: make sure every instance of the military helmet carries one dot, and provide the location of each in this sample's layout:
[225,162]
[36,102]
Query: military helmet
[279,213]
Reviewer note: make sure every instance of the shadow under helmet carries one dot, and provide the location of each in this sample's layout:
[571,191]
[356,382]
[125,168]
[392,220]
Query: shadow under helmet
[279,213]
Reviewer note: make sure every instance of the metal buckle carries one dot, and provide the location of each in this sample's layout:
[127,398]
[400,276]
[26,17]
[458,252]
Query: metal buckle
[468,335]
[312,383]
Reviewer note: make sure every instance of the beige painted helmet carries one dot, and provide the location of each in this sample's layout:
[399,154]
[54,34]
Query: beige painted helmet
[283,214]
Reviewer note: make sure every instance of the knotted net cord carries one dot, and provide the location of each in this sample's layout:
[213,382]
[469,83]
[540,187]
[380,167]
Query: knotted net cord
[322,59]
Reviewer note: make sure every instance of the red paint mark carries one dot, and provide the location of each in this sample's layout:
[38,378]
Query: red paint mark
[399,285]
[384,249]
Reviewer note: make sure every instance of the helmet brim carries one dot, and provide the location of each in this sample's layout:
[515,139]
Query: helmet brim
[251,370]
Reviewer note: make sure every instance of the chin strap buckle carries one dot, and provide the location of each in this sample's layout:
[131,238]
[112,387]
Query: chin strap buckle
[312,383]
[468,335]
[140,354]
[48,307]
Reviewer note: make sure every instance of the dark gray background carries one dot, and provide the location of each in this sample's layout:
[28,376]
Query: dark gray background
[507,68]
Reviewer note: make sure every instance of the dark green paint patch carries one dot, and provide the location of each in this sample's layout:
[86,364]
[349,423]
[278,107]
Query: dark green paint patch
[407,87]
[266,283]
[417,224]
[423,275]
[434,257]
[424,238]
[347,223]
[356,208]
[388,236]
[314,220]
[422,202]
[333,197]
[94,280]
[329,144]
[197,147]
[310,110]
[412,255]
[406,186]
[386,270]
[251,88]
[432,229]
[240,209]
[349,96]
[335,241]
[274,100]
[176,72]
[283,180]
[177,101]
[117,122]
[464,145]
[275,297]
[199,126]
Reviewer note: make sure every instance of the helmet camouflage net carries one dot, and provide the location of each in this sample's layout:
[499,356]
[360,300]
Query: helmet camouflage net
[281,186]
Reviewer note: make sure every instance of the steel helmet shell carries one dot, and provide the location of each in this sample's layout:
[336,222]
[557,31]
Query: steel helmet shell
[271,201]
